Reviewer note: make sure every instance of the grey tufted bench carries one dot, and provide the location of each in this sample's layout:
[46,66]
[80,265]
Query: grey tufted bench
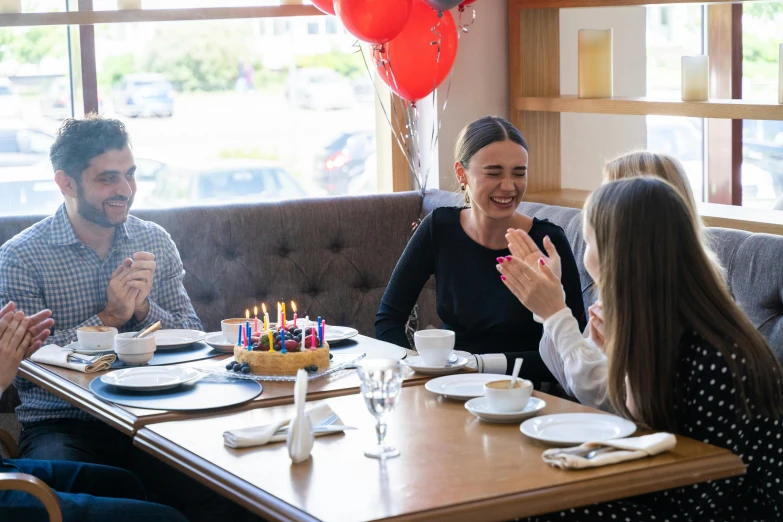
[334,257]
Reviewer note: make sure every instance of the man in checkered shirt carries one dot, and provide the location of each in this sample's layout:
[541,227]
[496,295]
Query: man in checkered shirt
[92,264]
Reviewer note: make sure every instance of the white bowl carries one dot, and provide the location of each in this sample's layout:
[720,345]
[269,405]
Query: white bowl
[134,351]
[103,339]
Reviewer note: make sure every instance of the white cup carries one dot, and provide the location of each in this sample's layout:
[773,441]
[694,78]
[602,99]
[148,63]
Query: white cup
[96,337]
[132,350]
[230,328]
[434,346]
[503,399]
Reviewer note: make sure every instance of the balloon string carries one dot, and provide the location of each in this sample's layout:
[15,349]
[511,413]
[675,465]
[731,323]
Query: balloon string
[394,129]
[464,27]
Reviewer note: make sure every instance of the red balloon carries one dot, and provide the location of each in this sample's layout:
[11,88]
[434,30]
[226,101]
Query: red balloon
[373,21]
[413,69]
[325,6]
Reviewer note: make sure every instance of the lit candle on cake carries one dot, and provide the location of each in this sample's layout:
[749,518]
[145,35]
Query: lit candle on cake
[255,319]
[293,307]
[695,78]
[595,63]
[284,319]
[279,322]
[266,317]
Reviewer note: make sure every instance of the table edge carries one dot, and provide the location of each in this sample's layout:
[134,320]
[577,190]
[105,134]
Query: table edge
[722,464]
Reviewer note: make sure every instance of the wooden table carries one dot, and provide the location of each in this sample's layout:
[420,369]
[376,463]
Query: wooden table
[73,387]
[452,466]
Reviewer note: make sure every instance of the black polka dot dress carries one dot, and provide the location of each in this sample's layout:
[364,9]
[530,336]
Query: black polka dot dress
[706,407]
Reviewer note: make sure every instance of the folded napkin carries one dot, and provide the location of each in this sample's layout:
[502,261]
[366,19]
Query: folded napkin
[66,358]
[324,420]
[617,450]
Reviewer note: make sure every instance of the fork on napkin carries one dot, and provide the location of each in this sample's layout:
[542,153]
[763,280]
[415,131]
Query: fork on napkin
[66,358]
[324,420]
[595,454]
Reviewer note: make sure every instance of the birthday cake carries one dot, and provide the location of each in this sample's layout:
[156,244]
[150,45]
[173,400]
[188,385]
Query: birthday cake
[303,350]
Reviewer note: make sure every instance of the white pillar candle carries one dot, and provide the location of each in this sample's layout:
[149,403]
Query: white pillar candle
[780,74]
[10,6]
[696,78]
[128,4]
[595,63]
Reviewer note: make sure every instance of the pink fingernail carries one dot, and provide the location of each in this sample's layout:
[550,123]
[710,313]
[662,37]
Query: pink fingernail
[502,278]
[500,260]
[541,261]
[508,258]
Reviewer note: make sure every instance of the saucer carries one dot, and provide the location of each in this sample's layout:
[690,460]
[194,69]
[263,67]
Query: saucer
[577,428]
[171,339]
[417,364]
[77,348]
[463,386]
[150,378]
[481,409]
[219,343]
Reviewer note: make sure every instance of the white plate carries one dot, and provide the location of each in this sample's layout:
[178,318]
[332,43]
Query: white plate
[337,334]
[417,364]
[150,378]
[481,409]
[218,342]
[76,347]
[577,428]
[373,348]
[464,386]
[169,339]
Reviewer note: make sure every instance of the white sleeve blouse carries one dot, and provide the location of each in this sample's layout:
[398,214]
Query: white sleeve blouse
[577,363]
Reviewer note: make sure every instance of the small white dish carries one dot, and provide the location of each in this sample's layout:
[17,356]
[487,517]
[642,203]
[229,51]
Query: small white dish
[417,364]
[76,347]
[218,342]
[170,339]
[338,334]
[577,428]
[480,408]
[150,379]
[463,386]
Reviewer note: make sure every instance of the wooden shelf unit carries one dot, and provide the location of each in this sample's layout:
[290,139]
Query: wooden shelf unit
[728,109]
[154,15]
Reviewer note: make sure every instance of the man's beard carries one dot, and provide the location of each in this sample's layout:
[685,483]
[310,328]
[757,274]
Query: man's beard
[96,214]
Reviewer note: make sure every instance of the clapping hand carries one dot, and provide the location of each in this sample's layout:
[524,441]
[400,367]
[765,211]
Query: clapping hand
[120,297]
[20,337]
[539,290]
[142,268]
[596,324]
[523,247]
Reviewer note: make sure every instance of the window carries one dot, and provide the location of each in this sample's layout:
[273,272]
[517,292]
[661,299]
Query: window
[762,140]
[218,111]
[674,31]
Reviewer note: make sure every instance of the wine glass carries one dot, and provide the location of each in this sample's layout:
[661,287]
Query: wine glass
[381,385]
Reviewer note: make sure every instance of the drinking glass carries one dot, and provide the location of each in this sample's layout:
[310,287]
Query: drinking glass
[381,385]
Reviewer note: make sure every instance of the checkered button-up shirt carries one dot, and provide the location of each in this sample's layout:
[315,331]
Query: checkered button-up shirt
[46,266]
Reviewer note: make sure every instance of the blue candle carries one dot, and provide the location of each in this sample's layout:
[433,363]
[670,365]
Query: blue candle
[247,335]
[239,335]
[282,340]
[320,334]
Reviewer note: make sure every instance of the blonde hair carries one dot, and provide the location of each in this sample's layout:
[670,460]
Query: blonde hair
[657,283]
[668,168]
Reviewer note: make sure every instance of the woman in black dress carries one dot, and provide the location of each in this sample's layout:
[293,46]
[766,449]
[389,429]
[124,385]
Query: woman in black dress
[460,246]
[682,356]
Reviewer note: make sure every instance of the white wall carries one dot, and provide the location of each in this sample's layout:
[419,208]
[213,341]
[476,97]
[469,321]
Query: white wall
[588,140]
[479,86]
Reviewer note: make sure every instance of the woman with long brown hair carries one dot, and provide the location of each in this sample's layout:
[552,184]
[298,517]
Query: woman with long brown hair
[682,357]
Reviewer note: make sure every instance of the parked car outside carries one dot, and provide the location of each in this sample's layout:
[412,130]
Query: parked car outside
[143,94]
[343,160]
[230,181]
[29,190]
[319,88]
[21,145]
[10,103]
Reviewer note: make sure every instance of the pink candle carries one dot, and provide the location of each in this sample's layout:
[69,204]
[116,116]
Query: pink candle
[312,338]
[323,331]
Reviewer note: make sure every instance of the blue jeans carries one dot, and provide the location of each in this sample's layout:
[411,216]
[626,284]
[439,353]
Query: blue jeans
[87,493]
[97,443]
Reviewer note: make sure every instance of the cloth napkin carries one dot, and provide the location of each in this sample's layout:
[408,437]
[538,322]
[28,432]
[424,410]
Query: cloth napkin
[322,417]
[64,357]
[622,450]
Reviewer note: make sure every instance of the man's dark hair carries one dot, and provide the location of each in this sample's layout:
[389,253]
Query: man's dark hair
[79,141]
